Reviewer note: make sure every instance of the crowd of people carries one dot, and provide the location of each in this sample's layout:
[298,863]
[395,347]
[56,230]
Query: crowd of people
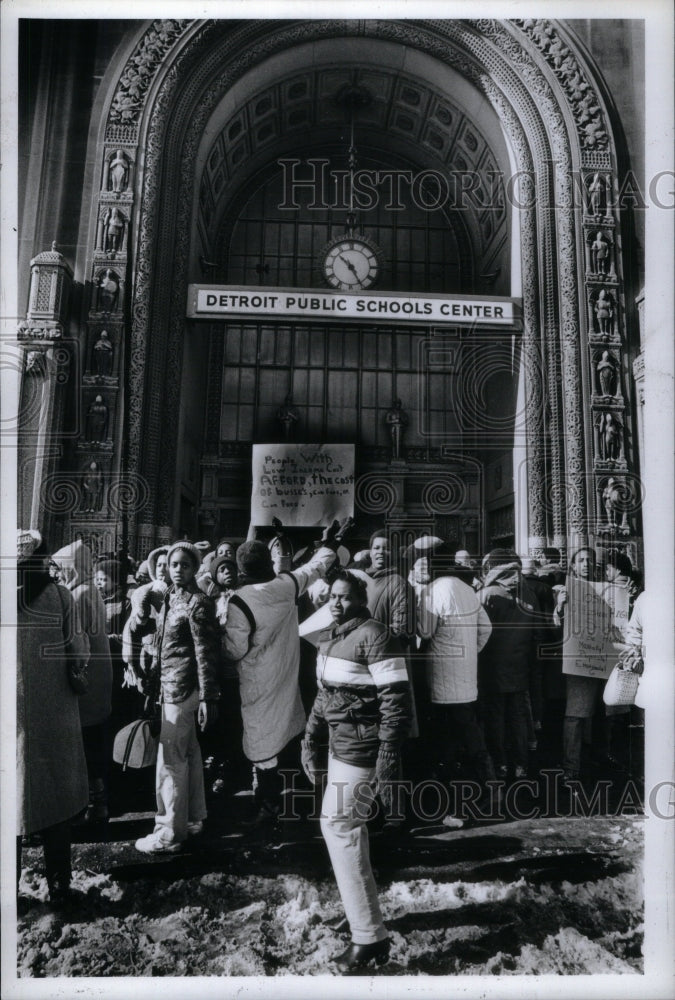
[369,670]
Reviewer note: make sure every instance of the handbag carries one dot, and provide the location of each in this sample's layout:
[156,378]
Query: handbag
[135,746]
[621,687]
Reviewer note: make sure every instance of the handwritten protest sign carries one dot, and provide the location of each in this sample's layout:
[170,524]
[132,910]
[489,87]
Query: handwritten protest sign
[587,649]
[304,485]
[617,597]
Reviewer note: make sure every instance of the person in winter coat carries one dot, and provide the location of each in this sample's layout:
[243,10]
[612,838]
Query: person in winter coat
[186,664]
[456,626]
[221,745]
[52,785]
[388,594]
[261,637]
[363,708]
[77,574]
[505,663]
[583,612]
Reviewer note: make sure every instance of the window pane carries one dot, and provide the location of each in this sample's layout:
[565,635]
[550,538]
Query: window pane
[247,385]
[317,347]
[249,345]
[316,388]
[233,345]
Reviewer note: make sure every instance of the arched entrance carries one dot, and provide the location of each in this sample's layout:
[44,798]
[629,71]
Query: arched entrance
[515,99]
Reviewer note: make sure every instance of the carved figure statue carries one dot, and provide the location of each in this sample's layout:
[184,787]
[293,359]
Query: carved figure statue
[611,499]
[604,310]
[36,363]
[289,416]
[609,436]
[119,167]
[97,421]
[600,254]
[612,438]
[606,375]
[596,191]
[92,489]
[108,290]
[103,354]
[397,421]
[113,227]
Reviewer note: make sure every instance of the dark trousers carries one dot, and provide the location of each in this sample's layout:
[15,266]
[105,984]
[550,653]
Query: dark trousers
[456,729]
[56,846]
[505,718]
[97,742]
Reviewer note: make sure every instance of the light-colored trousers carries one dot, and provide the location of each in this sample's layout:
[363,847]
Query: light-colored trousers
[344,812]
[179,779]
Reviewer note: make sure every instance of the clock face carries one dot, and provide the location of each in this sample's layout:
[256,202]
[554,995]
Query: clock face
[350,264]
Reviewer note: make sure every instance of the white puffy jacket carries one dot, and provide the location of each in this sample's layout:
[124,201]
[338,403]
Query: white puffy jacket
[452,618]
[262,638]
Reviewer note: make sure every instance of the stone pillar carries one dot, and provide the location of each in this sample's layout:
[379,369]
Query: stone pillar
[45,361]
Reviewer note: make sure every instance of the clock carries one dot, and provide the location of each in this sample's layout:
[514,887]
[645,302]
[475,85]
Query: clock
[350,263]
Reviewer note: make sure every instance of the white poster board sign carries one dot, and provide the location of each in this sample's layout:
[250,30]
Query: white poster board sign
[587,649]
[618,598]
[304,485]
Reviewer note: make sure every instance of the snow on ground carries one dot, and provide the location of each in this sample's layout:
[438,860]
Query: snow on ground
[530,897]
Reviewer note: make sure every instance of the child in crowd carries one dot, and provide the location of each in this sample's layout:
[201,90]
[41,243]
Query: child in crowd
[186,660]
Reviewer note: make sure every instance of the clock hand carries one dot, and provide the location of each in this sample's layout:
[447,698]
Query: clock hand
[349,265]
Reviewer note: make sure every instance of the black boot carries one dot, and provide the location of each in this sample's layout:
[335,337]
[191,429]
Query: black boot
[359,956]
[97,810]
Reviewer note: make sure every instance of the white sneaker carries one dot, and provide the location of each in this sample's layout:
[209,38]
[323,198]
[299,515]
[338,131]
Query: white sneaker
[155,844]
[194,829]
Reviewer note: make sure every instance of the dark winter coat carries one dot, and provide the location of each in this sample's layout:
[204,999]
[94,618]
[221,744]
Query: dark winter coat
[76,566]
[52,781]
[364,697]
[505,662]
[187,645]
[388,600]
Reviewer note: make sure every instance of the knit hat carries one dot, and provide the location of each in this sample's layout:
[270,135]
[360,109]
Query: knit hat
[191,550]
[221,561]
[254,562]
[426,545]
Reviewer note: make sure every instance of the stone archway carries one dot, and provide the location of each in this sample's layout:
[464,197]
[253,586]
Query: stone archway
[558,124]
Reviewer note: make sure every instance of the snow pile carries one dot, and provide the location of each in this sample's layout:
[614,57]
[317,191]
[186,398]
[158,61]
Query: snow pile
[565,953]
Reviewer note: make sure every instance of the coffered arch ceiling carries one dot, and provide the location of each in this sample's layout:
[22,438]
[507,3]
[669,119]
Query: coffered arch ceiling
[421,116]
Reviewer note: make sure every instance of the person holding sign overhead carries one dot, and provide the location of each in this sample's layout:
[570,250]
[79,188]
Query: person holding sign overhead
[261,637]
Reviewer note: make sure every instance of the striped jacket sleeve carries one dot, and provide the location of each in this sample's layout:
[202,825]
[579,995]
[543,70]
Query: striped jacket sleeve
[386,664]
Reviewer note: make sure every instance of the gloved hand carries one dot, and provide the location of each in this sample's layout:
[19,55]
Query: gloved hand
[311,761]
[387,771]
[328,538]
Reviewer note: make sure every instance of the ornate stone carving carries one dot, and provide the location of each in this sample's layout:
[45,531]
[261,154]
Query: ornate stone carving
[606,375]
[92,488]
[591,126]
[602,313]
[36,364]
[616,501]
[118,172]
[47,331]
[600,255]
[108,291]
[113,225]
[141,67]
[608,431]
[103,354]
[96,427]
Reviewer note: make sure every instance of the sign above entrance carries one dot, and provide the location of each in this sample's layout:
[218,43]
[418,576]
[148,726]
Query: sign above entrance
[253,301]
